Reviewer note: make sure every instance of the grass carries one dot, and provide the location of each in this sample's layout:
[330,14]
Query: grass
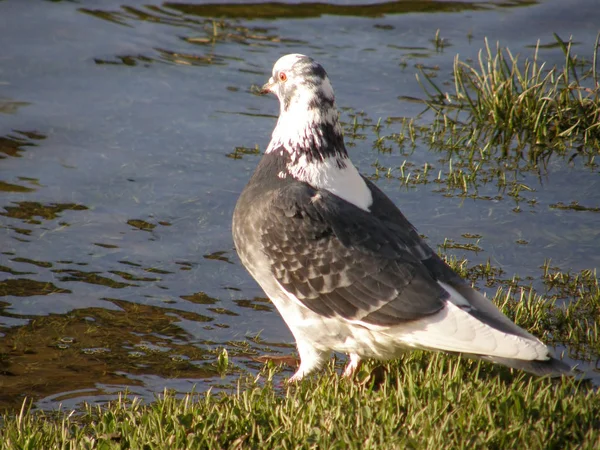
[506,117]
[431,402]
[524,108]
[424,400]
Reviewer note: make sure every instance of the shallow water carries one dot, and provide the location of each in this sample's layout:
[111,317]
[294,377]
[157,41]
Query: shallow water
[119,124]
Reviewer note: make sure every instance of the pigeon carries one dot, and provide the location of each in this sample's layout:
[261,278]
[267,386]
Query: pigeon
[345,269]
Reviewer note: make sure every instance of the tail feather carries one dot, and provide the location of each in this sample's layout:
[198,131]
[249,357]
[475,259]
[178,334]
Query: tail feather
[485,311]
[552,367]
[488,312]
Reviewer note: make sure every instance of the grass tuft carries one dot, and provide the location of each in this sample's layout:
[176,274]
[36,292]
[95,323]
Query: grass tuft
[527,108]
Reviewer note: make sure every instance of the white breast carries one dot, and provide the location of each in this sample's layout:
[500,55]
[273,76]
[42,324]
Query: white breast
[344,182]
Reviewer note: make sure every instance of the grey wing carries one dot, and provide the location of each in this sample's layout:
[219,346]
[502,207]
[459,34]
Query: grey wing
[339,260]
[386,211]
[480,307]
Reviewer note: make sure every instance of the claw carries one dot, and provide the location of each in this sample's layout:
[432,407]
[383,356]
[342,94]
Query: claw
[354,364]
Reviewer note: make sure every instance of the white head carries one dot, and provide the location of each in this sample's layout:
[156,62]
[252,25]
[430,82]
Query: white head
[300,81]
[308,133]
[308,119]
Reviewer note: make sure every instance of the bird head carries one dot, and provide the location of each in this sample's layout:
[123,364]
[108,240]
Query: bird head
[308,120]
[308,137]
[298,80]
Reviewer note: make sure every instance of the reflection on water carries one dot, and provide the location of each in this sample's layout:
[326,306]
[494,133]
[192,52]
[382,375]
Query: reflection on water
[262,10]
[15,144]
[28,211]
[206,33]
[22,287]
[8,106]
[129,129]
[93,345]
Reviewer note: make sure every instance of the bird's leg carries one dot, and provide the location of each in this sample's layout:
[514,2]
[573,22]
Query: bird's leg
[353,365]
[311,359]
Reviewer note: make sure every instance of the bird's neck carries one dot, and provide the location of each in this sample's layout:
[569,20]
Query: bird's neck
[310,132]
[311,142]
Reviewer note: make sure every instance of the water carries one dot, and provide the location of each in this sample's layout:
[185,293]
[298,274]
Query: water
[119,124]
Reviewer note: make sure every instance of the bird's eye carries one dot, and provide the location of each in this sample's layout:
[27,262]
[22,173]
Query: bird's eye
[282,76]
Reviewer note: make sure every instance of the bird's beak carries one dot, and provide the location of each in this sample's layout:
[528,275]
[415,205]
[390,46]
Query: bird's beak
[268,87]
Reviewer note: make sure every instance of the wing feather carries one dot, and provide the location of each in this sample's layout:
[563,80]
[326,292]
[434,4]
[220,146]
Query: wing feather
[340,260]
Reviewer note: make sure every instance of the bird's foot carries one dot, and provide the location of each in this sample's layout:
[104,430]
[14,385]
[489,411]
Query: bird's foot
[311,359]
[296,377]
[353,366]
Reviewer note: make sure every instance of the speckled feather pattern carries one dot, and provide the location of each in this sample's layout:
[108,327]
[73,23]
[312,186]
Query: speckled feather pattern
[344,267]
[335,260]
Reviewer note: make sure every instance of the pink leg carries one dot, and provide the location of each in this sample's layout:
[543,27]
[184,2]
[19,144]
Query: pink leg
[353,365]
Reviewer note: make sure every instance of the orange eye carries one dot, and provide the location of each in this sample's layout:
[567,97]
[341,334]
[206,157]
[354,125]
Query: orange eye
[282,76]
